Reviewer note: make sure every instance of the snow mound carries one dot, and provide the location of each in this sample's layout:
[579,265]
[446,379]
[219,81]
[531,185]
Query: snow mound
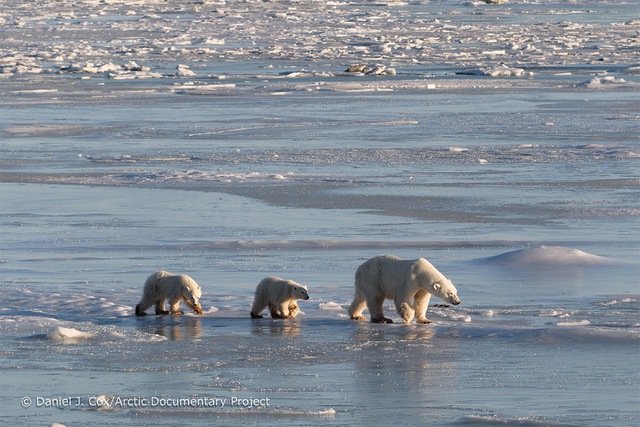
[548,255]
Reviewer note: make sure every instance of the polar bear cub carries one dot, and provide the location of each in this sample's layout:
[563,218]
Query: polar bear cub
[163,285]
[280,296]
[400,280]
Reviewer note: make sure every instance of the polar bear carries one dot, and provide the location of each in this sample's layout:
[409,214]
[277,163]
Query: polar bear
[280,296]
[401,280]
[163,285]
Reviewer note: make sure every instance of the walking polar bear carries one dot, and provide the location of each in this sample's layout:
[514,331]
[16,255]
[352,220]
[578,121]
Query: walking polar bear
[280,296]
[390,277]
[163,285]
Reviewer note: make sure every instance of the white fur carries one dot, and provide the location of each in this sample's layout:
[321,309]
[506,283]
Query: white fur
[174,288]
[400,280]
[280,296]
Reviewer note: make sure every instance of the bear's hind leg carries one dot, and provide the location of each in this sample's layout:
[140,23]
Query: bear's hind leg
[377,312]
[357,306]
[275,311]
[145,303]
[256,310]
[258,306]
[141,308]
[160,307]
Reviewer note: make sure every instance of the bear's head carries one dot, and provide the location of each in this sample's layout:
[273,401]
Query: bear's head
[299,292]
[434,282]
[445,290]
[192,294]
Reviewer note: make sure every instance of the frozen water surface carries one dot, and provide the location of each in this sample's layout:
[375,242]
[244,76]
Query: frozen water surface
[225,140]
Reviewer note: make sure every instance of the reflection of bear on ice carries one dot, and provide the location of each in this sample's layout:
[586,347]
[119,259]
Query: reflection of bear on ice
[280,296]
[164,285]
[390,277]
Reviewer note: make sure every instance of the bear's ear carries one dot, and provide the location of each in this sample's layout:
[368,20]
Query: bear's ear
[437,286]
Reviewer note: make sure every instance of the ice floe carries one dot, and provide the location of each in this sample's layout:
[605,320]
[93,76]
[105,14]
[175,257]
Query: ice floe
[68,334]
[496,71]
[69,36]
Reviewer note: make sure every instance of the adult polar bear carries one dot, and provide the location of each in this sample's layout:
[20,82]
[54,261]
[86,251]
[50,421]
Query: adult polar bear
[390,277]
[163,285]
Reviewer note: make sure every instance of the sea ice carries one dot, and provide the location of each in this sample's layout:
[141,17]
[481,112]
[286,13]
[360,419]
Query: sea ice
[548,255]
[576,323]
[68,334]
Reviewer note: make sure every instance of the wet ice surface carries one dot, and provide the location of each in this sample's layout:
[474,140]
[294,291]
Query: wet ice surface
[225,140]
[528,331]
[450,371]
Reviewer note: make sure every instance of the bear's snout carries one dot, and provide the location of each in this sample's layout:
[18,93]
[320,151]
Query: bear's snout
[455,300]
[306,297]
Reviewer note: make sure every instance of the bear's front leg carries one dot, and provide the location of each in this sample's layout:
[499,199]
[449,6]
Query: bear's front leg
[405,311]
[420,305]
[283,309]
[197,308]
[293,309]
